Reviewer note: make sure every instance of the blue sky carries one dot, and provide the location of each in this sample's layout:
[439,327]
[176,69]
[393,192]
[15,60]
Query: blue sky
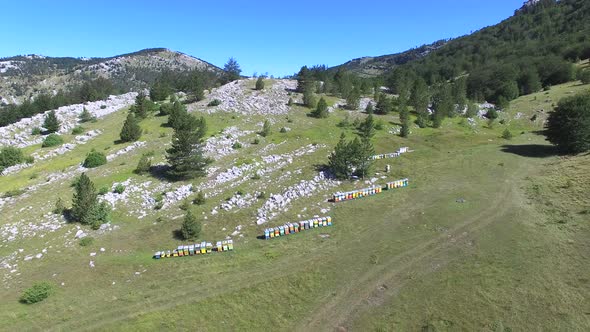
[277,37]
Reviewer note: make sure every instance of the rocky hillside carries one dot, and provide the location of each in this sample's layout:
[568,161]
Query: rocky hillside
[375,66]
[25,76]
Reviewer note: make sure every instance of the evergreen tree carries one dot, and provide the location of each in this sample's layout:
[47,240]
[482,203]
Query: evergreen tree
[84,200]
[186,156]
[419,100]
[131,130]
[232,70]
[265,129]
[366,129]
[384,105]
[321,110]
[86,116]
[290,102]
[369,109]
[339,160]
[404,116]
[304,80]
[144,165]
[51,123]
[353,99]
[177,115]
[260,83]
[568,127]
[191,227]
[309,99]
[160,90]
[362,154]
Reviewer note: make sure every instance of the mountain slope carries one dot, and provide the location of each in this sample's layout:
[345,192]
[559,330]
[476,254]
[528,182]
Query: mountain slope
[26,76]
[374,66]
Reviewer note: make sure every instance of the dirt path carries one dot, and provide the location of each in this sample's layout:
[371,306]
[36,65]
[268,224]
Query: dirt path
[341,310]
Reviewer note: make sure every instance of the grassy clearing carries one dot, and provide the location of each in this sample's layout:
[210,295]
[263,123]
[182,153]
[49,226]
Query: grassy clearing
[404,260]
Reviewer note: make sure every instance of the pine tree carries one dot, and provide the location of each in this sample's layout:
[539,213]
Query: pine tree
[366,129]
[362,154]
[84,200]
[265,129]
[191,227]
[177,115]
[309,99]
[369,109]
[260,83]
[144,165]
[232,70]
[339,163]
[420,99]
[404,116]
[290,102]
[353,99]
[86,116]
[186,156]
[321,110]
[383,105]
[51,123]
[131,130]
[59,206]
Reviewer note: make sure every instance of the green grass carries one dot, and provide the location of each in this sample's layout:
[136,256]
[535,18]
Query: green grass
[407,259]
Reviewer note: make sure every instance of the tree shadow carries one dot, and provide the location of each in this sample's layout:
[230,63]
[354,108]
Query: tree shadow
[177,235]
[531,150]
[160,172]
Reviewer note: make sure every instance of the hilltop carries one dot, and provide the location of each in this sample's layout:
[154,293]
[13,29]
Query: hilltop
[30,75]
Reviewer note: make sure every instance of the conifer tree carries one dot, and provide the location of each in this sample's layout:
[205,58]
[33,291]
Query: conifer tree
[353,98]
[265,129]
[86,116]
[321,111]
[260,83]
[177,114]
[191,227]
[339,162]
[186,157]
[144,165]
[369,109]
[84,200]
[131,130]
[51,123]
[366,129]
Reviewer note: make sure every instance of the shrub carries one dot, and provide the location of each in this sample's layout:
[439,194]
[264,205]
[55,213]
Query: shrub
[102,107]
[77,130]
[214,102]
[37,293]
[507,134]
[29,159]
[568,126]
[261,195]
[283,130]
[584,76]
[95,159]
[86,241]
[199,199]
[185,205]
[36,131]
[86,116]
[10,156]
[255,176]
[103,190]
[260,83]
[119,189]
[52,140]
[256,141]
[290,102]
[237,145]
[492,114]
[379,125]
[159,205]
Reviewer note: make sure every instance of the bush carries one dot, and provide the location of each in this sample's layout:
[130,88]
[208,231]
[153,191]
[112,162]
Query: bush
[102,107]
[290,102]
[283,130]
[255,176]
[199,199]
[256,141]
[103,190]
[379,125]
[237,145]
[95,159]
[119,189]
[36,131]
[37,293]
[492,114]
[214,102]
[52,140]
[86,116]
[261,195]
[10,156]
[86,241]
[29,159]
[185,205]
[77,130]
[507,134]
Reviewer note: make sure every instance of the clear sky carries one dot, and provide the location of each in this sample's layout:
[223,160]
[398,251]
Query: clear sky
[277,37]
